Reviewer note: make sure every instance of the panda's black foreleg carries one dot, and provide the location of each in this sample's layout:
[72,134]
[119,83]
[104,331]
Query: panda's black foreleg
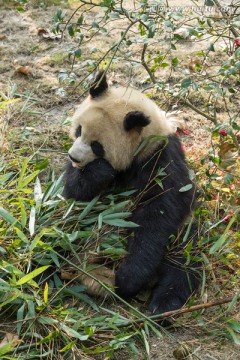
[146,262]
[85,184]
[146,250]
[174,287]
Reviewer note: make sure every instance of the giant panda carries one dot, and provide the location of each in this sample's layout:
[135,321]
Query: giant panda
[107,130]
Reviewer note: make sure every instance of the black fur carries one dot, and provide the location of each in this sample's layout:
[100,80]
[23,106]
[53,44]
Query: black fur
[160,210]
[97,149]
[85,184]
[99,86]
[78,131]
[135,119]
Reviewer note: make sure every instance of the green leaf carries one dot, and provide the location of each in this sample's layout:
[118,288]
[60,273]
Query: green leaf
[21,235]
[88,208]
[228,178]
[114,251]
[211,47]
[32,275]
[233,302]
[71,30]
[78,53]
[20,314]
[120,223]
[209,3]
[37,238]
[9,218]
[70,332]
[23,214]
[29,178]
[116,215]
[22,174]
[42,164]
[233,335]
[68,346]
[175,61]
[220,242]
[186,83]
[49,337]
[164,65]
[20,8]
[80,20]
[95,25]
[186,188]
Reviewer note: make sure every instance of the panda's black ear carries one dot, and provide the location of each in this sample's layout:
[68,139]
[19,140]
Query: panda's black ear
[99,85]
[135,120]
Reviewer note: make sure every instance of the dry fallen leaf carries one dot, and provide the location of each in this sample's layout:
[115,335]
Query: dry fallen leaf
[192,64]
[13,339]
[182,351]
[25,70]
[48,35]
[228,154]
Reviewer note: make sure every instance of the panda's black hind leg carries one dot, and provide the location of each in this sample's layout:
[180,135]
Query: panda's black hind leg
[173,289]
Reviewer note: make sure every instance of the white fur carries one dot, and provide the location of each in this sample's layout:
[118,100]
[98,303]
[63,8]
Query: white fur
[82,153]
[102,119]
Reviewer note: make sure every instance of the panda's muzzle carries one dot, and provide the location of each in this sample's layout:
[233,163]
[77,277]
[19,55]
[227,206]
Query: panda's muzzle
[73,160]
[80,154]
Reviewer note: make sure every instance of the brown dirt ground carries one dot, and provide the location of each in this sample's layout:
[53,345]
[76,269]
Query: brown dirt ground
[38,122]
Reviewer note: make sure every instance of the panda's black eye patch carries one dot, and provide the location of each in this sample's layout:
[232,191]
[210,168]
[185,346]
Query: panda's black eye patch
[97,149]
[78,131]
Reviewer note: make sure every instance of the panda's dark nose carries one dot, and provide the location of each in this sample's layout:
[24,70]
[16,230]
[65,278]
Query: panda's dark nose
[74,160]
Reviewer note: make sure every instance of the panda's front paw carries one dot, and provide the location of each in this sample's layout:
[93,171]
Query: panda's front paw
[162,304]
[126,282]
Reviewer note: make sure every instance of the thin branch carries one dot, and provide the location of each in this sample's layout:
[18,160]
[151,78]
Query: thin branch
[224,12]
[176,312]
[186,102]
[144,64]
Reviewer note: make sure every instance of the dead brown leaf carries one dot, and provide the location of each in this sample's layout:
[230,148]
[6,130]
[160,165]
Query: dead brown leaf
[10,338]
[48,35]
[228,154]
[25,70]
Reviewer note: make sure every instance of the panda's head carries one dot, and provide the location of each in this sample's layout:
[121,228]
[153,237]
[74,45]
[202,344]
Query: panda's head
[112,122]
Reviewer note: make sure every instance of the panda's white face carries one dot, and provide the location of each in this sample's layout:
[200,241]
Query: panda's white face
[99,126]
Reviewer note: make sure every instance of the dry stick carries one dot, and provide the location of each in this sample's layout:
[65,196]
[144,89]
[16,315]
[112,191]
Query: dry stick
[193,308]
[176,312]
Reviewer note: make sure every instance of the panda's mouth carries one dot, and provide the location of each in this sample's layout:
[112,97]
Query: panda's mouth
[75,163]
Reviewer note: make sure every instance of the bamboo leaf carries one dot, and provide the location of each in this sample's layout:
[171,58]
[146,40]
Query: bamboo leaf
[116,215]
[49,337]
[68,346]
[88,208]
[32,221]
[233,302]
[9,218]
[45,293]
[121,223]
[38,194]
[20,314]
[220,242]
[21,235]
[32,275]
[23,214]
[22,174]
[29,178]
[186,188]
